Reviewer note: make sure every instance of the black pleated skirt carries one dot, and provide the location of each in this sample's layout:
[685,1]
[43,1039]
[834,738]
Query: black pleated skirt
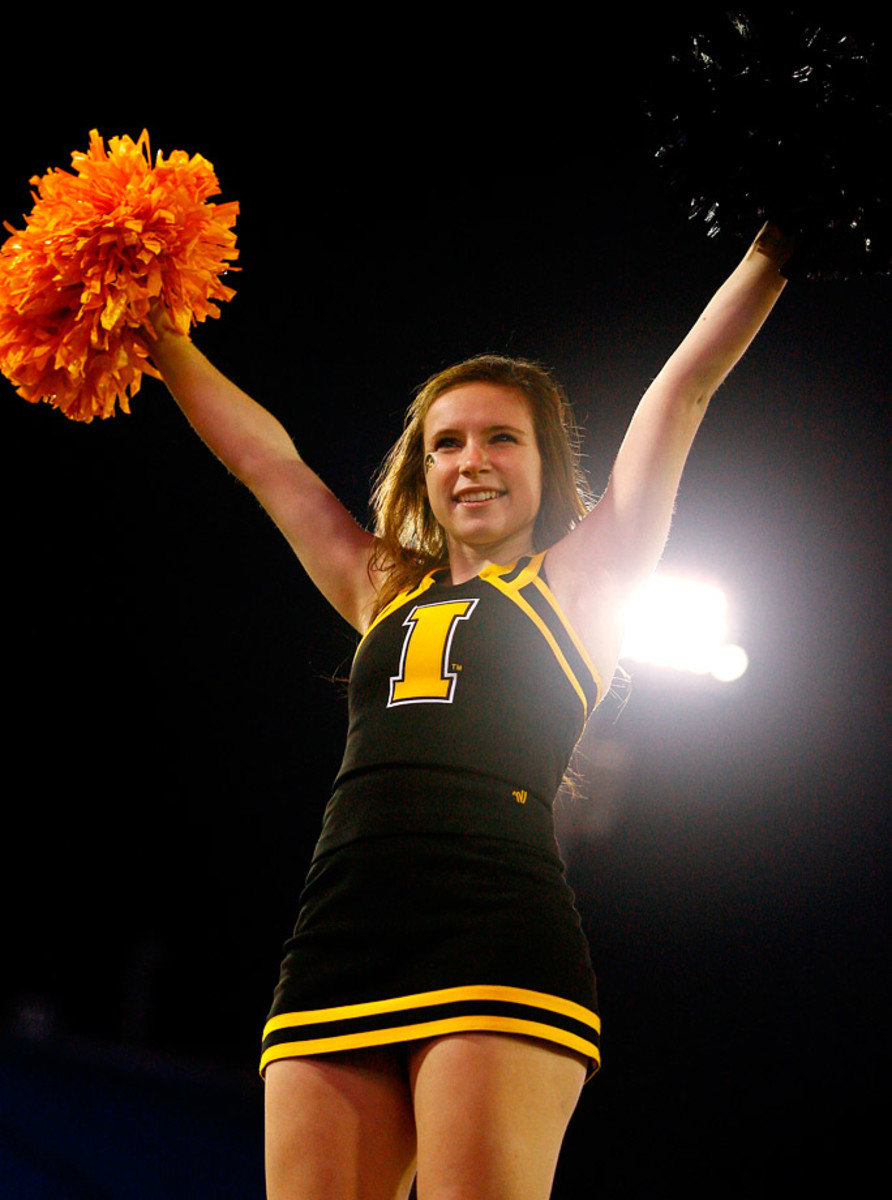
[419,935]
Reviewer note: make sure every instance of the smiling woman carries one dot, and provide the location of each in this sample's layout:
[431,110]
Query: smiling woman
[484,484]
[410,538]
[436,1003]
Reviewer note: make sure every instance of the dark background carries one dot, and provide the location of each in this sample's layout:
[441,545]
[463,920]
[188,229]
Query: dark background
[409,197]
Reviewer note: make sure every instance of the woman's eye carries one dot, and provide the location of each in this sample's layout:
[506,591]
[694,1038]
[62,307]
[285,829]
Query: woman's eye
[504,437]
[445,443]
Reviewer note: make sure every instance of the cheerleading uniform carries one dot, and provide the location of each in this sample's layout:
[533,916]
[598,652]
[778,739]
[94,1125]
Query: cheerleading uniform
[436,901]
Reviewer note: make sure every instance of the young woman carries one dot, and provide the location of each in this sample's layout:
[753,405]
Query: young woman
[436,1009]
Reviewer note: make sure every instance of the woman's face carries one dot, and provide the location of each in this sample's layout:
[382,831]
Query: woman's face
[483,470]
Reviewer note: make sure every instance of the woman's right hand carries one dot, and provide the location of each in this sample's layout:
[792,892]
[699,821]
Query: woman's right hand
[162,322]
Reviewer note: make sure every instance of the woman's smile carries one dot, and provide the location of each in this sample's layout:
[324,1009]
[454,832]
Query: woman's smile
[477,497]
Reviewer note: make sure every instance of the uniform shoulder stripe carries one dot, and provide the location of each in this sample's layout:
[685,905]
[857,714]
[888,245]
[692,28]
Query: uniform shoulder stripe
[522,583]
[547,594]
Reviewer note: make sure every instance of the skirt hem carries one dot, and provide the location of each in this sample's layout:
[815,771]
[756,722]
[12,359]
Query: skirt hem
[475,1008]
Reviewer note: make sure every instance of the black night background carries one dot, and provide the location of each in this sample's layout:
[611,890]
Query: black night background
[175,710]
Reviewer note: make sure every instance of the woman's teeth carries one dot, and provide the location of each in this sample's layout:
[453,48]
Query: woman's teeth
[478,497]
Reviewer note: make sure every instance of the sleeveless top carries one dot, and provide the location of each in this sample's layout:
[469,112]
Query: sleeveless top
[465,704]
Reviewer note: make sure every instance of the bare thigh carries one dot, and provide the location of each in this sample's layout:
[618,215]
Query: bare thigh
[340,1127]
[491,1111]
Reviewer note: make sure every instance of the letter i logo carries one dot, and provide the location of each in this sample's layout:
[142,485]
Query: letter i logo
[424,677]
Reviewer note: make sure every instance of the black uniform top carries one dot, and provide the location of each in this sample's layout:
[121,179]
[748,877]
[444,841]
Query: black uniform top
[465,704]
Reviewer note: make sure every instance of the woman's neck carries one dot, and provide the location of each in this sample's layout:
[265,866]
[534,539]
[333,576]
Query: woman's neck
[466,562]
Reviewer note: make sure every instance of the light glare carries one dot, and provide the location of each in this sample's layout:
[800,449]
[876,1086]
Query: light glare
[681,624]
[730,663]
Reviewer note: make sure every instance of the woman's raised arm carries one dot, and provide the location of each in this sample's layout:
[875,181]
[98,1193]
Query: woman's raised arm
[625,533]
[615,549]
[256,448]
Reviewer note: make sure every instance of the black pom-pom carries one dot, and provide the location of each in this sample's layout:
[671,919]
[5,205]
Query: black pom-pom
[782,119]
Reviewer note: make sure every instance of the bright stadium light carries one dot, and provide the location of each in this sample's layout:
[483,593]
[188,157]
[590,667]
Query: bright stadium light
[682,624]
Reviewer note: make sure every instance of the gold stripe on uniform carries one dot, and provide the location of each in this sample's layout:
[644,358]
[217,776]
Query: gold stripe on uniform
[543,588]
[480,991]
[482,1023]
[512,591]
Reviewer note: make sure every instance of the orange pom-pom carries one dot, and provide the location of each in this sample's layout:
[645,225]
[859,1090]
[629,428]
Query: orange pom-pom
[99,249]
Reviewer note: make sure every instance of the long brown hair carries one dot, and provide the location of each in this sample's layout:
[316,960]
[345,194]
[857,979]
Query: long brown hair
[409,541]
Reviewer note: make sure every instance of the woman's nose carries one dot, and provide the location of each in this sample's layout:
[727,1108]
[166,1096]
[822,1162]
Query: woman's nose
[474,457]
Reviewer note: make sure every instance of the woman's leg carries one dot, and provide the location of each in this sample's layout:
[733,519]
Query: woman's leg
[340,1127]
[491,1111]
